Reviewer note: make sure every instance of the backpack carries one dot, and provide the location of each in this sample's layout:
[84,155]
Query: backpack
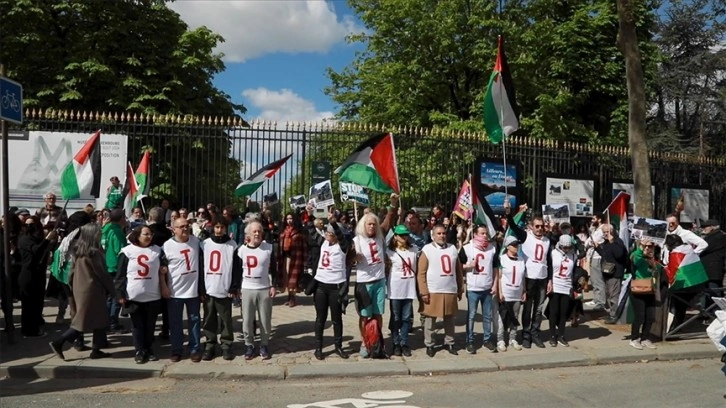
[373,340]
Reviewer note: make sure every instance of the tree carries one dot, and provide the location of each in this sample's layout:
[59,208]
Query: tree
[628,42]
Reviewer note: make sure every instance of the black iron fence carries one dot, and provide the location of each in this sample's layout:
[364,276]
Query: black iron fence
[196,160]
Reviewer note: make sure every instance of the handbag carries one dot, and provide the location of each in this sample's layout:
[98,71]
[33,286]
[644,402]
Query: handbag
[642,286]
[608,267]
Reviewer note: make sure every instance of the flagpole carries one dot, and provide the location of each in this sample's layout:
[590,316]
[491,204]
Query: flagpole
[355,211]
[504,134]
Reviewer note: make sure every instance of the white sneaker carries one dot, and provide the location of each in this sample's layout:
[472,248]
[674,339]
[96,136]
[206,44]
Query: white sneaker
[636,344]
[501,346]
[515,345]
[590,303]
[649,344]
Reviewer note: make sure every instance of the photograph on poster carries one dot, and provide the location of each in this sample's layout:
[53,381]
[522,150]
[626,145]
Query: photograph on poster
[579,194]
[691,203]
[654,230]
[297,201]
[493,181]
[322,193]
[630,189]
[556,213]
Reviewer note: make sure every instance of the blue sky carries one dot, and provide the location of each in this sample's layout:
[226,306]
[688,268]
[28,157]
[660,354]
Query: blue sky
[276,52]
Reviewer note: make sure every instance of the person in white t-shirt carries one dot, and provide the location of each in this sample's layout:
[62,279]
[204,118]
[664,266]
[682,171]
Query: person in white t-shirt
[401,272]
[259,269]
[479,259]
[560,286]
[140,285]
[183,254]
[511,293]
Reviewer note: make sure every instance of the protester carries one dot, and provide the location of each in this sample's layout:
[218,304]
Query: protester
[560,286]
[182,253]
[161,234]
[114,195]
[91,285]
[479,261]
[614,257]
[33,246]
[594,260]
[440,283]
[291,256]
[113,239]
[331,287]
[688,237]
[51,215]
[136,219]
[401,269]
[511,293]
[714,256]
[140,285]
[222,276]
[202,228]
[645,266]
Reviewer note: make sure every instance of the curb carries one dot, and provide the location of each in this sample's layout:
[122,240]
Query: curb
[491,363]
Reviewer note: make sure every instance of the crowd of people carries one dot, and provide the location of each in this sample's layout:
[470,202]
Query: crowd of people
[205,262]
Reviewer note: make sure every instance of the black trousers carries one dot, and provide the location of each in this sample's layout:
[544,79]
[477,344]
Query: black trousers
[71,335]
[143,320]
[326,298]
[31,311]
[559,308]
[643,316]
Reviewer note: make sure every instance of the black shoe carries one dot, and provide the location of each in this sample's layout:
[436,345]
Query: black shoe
[57,350]
[164,335]
[563,342]
[430,351]
[470,348]
[228,355]
[318,353]
[538,342]
[249,352]
[397,350]
[406,351]
[150,356]
[96,354]
[208,354]
[610,321]
[116,328]
[490,346]
[553,342]
[340,352]
[450,348]
[79,346]
[140,357]
[527,344]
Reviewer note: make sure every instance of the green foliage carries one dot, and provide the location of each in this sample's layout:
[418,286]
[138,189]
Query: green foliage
[427,63]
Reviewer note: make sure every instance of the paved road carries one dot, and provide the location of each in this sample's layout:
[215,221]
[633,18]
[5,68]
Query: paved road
[696,383]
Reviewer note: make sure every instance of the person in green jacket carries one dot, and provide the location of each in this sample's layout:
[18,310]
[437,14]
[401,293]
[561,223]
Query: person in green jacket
[113,239]
[645,266]
[114,194]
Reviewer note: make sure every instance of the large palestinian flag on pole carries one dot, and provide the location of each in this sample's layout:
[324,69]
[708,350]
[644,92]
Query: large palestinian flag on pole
[617,216]
[81,177]
[373,165]
[248,187]
[131,191]
[142,176]
[501,115]
[684,268]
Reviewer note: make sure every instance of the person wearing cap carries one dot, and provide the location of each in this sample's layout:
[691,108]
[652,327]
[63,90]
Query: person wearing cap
[511,292]
[560,286]
[441,283]
[535,253]
[479,260]
[331,287]
[644,266]
[401,273]
[714,257]
[114,195]
[23,214]
[113,239]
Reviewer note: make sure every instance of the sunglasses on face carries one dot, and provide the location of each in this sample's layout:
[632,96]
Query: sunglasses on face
[538,226]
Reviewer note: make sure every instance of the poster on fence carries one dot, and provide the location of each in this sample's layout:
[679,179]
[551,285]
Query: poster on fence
[578,193]
[497,183]
[354,192]
[654,230]
[690,202]
[322,194]
[297,201]
[37,158]
[630,189]
[556,213]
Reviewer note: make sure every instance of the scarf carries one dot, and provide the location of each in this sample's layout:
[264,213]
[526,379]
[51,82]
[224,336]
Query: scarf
[480,242]
[287,238]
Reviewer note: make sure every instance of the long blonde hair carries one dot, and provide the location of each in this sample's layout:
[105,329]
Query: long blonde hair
[360,228]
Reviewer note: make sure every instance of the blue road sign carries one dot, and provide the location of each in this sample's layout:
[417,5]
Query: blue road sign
[11,108]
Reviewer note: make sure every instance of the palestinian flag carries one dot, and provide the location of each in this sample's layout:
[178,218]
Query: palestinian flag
[373,165]
[484,213]
[81,178]
[501,115]
[617,216]
[684,268]
[131,191]
[248,187]
[142,176]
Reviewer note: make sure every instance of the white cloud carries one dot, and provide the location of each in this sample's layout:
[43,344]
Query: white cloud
[284,105]
[253,28]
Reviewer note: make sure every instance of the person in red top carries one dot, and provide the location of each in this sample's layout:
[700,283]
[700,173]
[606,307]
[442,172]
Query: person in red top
[292,255]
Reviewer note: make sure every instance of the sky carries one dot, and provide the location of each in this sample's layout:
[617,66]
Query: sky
[277,52]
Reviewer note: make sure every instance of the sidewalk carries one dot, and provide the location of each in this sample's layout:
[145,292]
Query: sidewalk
[292,345]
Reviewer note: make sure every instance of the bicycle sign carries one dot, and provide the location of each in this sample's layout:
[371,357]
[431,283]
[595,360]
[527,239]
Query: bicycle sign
[11,108]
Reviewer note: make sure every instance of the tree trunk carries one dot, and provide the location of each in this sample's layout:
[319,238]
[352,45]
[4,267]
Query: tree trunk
[628,43]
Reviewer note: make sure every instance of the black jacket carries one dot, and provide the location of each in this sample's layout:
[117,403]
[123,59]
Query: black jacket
[713,257]
[615,252]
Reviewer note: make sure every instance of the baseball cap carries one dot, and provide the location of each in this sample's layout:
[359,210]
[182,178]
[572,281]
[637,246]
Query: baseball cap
[511,240]
[401,229]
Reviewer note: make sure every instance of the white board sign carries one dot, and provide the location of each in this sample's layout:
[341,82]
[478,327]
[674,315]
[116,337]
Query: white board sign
[579,194]
[322,194]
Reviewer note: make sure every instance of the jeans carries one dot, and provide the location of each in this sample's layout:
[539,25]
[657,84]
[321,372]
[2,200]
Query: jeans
[533,307]
[401,314]
[475,298]
[114,308]
[176,324]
